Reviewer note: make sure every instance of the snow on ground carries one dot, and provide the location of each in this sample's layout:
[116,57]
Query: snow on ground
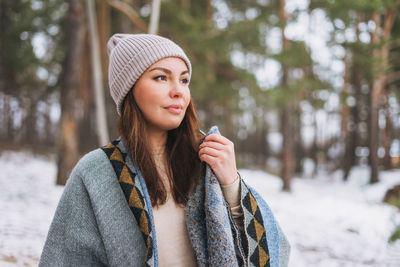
[28,198]
[329,223]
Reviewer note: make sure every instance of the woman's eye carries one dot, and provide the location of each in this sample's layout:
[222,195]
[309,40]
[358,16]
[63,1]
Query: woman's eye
[185,81]
[160,78]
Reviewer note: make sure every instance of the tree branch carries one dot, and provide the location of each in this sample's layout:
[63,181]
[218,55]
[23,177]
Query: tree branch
[129,12]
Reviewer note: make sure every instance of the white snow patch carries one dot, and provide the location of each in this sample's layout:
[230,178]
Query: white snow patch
[333,223]
[28,198]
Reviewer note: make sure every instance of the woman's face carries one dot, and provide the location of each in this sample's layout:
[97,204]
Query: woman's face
[162,93]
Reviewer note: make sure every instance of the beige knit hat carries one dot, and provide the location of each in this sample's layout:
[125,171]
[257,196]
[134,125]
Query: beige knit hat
[130,56]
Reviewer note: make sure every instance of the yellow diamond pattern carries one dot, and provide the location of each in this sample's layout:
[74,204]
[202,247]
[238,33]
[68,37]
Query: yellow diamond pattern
[125,176]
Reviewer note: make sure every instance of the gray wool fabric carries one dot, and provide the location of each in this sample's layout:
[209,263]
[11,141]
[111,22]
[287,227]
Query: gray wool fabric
[131,54]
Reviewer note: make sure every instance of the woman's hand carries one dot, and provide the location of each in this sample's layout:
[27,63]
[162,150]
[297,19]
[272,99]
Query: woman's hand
[218,152]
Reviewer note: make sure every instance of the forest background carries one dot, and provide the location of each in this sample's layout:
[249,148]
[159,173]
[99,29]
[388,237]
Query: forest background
[301,87]
[289,83]
[304,88]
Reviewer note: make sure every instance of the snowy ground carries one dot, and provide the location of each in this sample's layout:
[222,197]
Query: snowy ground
[328,223]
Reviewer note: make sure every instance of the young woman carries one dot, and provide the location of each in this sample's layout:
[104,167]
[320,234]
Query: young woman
[163,194]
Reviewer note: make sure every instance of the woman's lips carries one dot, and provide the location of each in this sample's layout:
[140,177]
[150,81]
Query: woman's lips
[174,109]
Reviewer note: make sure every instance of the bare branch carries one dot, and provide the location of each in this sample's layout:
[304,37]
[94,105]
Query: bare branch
[129,12]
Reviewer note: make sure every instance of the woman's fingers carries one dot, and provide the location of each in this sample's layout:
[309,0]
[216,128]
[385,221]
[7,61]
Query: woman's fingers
[218,138]
[211,151]
[210,160]
[212,144]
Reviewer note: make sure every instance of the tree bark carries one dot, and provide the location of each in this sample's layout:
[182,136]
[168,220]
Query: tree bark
[374,108]
[29,125]
[8,79]
[381,55]
[48,138]
[8,115]
[352,138]
[286,115]
[345,121]
[387,137]
[154,17]
[68,144]
[103,14]
[297,141]
[287,148]
[87,134]
[101,119]
[353,128]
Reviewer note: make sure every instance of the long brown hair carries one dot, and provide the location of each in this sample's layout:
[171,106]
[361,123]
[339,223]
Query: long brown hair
[183,164]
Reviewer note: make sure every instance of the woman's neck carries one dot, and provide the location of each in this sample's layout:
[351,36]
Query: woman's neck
[157,141]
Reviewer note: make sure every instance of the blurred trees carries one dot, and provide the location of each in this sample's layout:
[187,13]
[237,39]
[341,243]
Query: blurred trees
[46,94]
[368,67]
[27,75]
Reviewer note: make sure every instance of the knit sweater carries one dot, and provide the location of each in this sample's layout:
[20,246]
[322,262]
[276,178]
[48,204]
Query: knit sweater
[93,225]
[174,248]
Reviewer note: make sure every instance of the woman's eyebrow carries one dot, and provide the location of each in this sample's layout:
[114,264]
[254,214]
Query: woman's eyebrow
[184,72]
[167,70]
[162,69]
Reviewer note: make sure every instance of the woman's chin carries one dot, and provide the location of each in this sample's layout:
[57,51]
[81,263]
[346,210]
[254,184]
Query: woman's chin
[173,126]
[169,126]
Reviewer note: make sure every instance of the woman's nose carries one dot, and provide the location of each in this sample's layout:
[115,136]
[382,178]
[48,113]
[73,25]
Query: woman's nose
[177,89]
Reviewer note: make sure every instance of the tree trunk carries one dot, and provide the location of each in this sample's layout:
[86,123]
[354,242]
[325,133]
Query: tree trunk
[351,141]
[8,80]
[374,108]
[261,150]
[287,148]
[354,124]
[154,17]
[345,121]
[297,140]
[29,127]
[103,14]
[286,115]
[48,139]
[387,137]
[381,55]
[68,143]
[87,134]
[8,122]
[101,119]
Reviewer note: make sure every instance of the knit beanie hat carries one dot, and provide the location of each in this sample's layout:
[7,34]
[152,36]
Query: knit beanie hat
[130,55]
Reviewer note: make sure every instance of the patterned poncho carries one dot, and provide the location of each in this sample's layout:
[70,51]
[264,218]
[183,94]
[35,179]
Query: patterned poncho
[104,218]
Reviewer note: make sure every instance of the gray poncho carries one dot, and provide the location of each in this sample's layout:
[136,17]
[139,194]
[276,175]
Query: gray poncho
[94,226]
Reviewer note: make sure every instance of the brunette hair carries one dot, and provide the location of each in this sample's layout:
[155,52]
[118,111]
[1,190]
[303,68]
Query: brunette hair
[183,163]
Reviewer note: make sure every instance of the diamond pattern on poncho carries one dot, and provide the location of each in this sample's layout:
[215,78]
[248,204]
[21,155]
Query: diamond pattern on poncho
[133,195]
[255,232]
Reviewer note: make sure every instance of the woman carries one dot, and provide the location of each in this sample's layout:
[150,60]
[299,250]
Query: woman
[162,194]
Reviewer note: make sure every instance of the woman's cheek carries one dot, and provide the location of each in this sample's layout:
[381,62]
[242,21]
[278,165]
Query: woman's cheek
[188,98]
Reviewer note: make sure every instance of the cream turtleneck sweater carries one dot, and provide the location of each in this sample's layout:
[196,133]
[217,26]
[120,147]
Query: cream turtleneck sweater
[173,243]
